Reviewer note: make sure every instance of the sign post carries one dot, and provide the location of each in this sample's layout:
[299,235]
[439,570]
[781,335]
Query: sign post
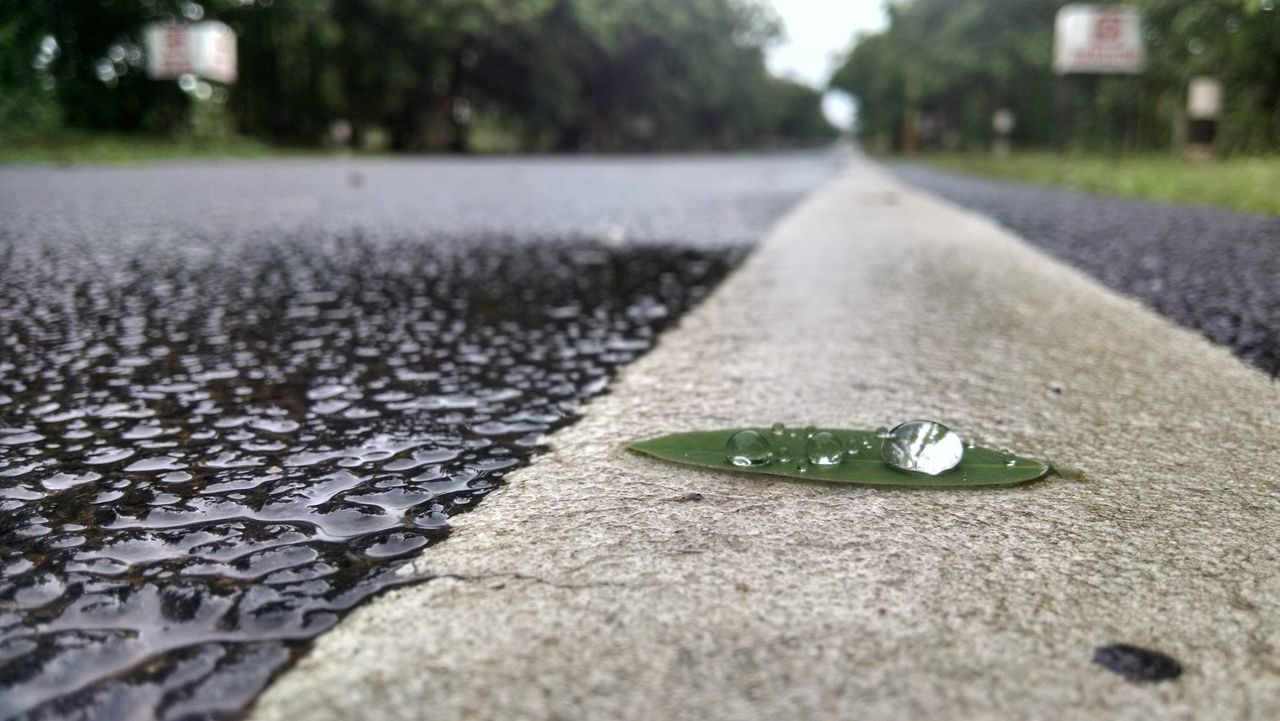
[1003,121]
[1092,41]
[1098,40]
[1204,108]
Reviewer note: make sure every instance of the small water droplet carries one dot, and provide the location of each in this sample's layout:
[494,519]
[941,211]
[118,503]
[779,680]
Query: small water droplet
[809,431]
[777,429]
[802,465]
[748,448]
[1007,456]
[922,447]
[882,432]
[824,449]
[783,453]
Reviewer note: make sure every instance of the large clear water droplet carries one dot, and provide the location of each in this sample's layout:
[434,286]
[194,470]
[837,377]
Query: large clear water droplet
[824,449]
[748,448]
[922,447]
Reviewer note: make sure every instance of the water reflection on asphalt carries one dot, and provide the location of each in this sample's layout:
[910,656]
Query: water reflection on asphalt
[211,449]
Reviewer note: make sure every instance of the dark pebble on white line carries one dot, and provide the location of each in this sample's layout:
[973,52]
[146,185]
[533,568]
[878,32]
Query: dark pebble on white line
[1139,665]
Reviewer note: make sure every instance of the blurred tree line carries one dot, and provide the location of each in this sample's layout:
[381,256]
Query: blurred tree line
[942,68]
[420,74]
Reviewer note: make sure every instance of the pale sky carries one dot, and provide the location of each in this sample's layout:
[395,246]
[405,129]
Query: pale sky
[817,33]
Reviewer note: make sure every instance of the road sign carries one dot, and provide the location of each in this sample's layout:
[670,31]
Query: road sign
[206,49]
[1003,121]
[1098,40]
[1204,98]
[1204,108]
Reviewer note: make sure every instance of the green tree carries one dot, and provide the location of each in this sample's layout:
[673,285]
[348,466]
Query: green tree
[955,61]
[87,60]
[555,74]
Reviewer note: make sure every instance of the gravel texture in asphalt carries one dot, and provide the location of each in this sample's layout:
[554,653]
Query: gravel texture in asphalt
[1215,271]
[220,429]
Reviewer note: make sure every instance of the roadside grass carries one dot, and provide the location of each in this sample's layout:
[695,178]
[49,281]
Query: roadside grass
[1247,184]
[70,148]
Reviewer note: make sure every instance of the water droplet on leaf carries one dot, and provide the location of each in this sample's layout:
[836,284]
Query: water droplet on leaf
[922,447]
[783,453]
[748,448]
[824,449]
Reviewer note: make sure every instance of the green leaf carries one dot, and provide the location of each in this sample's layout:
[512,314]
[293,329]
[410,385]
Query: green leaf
[706,449]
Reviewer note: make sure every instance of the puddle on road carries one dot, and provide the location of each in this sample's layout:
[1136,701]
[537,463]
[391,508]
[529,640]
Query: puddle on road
[210,451]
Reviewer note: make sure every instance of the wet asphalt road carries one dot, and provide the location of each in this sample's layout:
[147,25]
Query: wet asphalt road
[692,200]
[232,396]
[1211,270]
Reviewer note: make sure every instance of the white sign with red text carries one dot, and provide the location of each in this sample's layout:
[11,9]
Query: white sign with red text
[1098,40]
[206,49]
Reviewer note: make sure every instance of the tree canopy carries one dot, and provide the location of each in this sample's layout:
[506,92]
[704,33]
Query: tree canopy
[949,64]
[423,74]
